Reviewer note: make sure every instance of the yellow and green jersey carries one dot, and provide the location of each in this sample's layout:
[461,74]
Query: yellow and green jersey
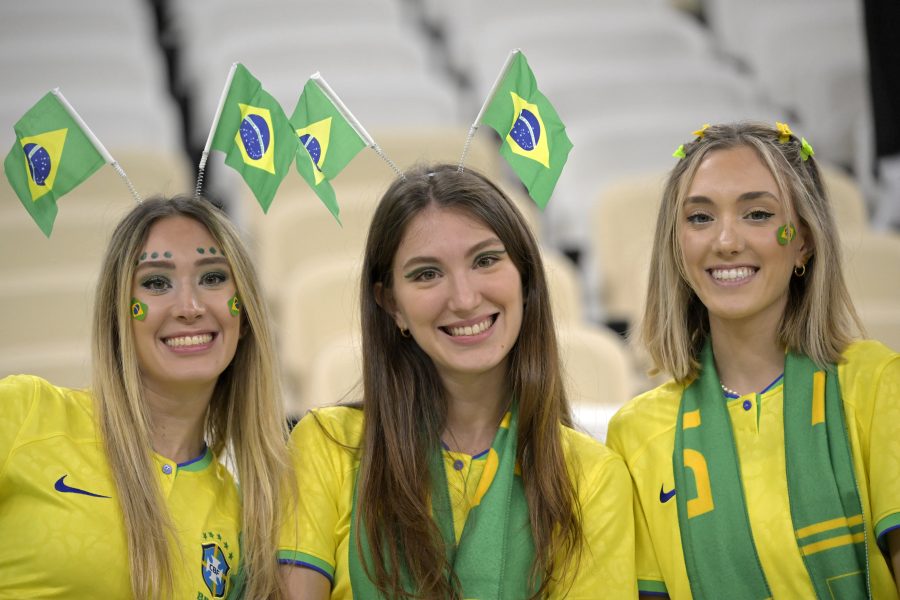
[316,534]
[643,432]
[60,520]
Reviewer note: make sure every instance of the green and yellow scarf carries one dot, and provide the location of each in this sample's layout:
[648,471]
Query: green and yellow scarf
[719,552]
[493,557]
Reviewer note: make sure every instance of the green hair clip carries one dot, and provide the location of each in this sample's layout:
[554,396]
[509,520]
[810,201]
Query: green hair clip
[806,149]
[679,152]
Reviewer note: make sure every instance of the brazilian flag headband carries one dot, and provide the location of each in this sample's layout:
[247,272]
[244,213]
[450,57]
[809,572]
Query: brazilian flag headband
[54,152]
[262,143]
[534,139]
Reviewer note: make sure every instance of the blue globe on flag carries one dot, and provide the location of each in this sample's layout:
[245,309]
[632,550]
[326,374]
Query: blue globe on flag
[526,131]
[255,136]
[313,147]
[39,164]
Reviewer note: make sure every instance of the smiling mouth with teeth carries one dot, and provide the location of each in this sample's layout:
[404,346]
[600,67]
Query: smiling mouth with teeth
[189,340]
[471,329]
[732,274]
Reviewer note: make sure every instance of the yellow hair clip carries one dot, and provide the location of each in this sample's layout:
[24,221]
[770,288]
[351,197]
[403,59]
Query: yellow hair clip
[806,149]
[702,131]
[784,132]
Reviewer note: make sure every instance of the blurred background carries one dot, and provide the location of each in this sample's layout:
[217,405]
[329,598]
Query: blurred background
[630,79]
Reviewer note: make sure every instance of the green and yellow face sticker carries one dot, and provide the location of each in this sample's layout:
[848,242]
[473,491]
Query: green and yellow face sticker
[234,305]
[785,234]
[138,310]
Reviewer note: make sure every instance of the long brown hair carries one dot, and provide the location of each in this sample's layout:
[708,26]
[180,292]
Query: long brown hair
[245,416]
[405,406]
[819,319]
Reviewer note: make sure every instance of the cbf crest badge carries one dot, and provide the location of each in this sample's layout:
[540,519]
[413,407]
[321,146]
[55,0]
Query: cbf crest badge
[215,569]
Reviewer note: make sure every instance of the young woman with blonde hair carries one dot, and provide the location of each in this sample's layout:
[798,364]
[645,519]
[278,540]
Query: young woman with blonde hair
[768,465]
[119,491]
[458,476]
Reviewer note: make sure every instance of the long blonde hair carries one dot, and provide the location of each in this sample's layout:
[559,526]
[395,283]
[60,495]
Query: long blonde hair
[819,319]
[245,415]
[405,405]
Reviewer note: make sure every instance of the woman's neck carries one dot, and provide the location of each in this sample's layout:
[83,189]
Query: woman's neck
[748,357]
[475,407]
[178,422]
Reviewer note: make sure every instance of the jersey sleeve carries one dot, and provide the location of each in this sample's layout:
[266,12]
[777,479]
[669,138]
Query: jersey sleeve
[308,533]
[17,397]
[884,452]
[606,566]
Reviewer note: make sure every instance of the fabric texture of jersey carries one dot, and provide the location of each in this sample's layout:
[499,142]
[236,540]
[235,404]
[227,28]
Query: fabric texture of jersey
[317,534]
[61,524]
[643,432]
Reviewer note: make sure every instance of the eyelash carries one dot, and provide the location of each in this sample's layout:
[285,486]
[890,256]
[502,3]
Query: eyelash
[427,274]
[157,284]
[753,215]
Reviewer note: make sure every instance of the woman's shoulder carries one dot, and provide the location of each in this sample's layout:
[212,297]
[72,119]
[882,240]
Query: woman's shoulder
[868,366]
[650,410]
[340,424]
[23,393]
[865,355]
[592,464]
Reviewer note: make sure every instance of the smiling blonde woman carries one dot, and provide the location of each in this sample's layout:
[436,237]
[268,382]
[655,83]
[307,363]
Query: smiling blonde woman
[119,491]
[768,466]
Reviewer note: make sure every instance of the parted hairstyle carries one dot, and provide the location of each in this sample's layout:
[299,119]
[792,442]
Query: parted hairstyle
[405,404]
[244,419]
[819,319]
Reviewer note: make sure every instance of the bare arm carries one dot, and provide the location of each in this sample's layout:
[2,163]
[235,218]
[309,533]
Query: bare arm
[305,584]
[893,539]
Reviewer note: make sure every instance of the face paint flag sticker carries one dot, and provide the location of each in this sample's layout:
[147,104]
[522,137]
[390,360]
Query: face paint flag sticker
[535,143]
[250,127]
[55,152]
[330,137]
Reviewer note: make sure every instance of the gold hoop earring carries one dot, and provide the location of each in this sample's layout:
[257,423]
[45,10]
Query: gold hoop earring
[800,271]
[404,333]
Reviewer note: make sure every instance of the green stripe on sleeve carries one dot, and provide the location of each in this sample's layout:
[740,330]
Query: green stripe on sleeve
[882,527]
[301,559]
[651,586]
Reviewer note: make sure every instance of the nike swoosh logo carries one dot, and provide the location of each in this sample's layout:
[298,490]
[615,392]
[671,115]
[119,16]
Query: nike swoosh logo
[665,496]
[60,486]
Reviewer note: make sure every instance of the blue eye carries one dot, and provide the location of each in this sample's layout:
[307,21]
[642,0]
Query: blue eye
[699,218]
[760,215]
[156,283]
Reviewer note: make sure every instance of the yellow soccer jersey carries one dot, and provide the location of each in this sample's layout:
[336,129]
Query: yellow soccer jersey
[61,524]
[643,432]
[317,534]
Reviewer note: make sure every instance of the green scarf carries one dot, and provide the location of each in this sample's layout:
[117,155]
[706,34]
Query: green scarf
[719,552]
[493,557]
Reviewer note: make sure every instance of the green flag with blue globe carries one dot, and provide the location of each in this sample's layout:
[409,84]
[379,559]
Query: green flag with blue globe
[534,143]
[50,157]
[255,135]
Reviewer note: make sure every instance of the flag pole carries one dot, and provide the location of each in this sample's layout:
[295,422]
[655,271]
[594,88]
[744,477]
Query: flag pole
[95,141]
[490,96]
[357,126]
[201,168]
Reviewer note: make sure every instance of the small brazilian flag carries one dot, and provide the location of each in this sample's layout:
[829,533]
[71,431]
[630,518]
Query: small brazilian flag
[51,157]
[256,136]
[327,142]
[535,143]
